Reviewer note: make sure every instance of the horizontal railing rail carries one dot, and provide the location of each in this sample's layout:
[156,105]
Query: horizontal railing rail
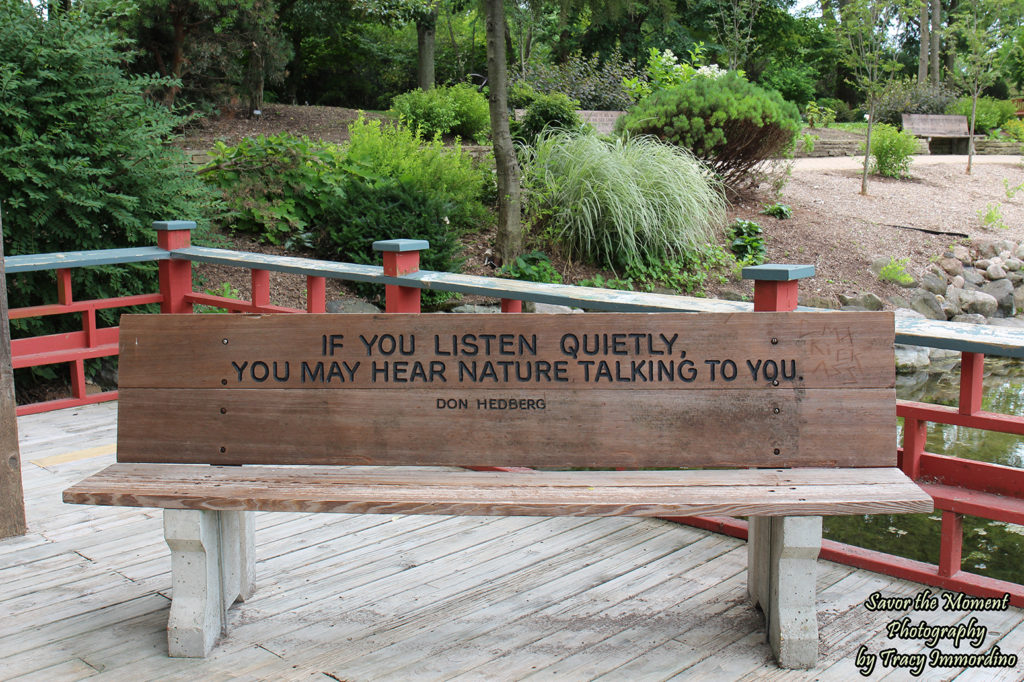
[958,486]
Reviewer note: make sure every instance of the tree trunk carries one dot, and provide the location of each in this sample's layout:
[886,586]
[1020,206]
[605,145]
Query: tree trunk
[509,242]
[922,59]
[177,67]
[867,148]
[12,495]
[426,32]
[935,34]
[974,112]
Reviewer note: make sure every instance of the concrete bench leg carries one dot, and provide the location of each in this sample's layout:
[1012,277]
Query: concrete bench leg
[212,567]
[782,556]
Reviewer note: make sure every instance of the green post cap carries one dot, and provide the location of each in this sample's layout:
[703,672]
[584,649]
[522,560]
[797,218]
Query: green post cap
[171,225]
[401,245]
[777,273]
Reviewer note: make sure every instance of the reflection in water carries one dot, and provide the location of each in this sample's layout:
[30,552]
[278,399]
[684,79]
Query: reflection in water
[991,548]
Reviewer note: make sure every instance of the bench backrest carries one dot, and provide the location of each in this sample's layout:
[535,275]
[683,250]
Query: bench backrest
[584,390]
[936,124]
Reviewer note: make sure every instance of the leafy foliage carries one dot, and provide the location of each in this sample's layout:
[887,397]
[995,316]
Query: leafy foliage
[664,70]
[733,125]
[891,151]
[84,156]
[458,110]
[746,240]
[908,96]
[991,113]
[780,211]
[793,80]
[593,82]
[818,116]
[387,209]
[1014,128]
[520,95]
[549,111]
[685,272]
[621,203]
[531,267]
[279,187]
[895,271]
[286,189]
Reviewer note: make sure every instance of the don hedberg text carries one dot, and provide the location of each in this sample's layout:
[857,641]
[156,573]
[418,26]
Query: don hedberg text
[512,358]
[970,632]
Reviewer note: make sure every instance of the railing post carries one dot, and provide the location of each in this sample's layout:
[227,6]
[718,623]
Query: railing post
[316,294]
[175,275]
[915,434]
[951,544]
[775,286]
[401,257]
[972,371]
[511,305]
[261,287]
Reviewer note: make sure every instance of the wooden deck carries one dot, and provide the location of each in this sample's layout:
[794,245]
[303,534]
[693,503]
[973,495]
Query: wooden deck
[342,597]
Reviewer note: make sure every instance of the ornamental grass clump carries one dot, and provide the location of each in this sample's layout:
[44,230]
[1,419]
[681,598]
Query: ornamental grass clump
[620,203]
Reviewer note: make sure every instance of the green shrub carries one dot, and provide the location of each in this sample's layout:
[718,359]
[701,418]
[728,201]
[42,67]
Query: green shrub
[619,203]
[520,95]
[388,209]
[85,159]
[794,81]
[594,82]
[1014,128]
[531,267]
[278,187]
[378,149]
[819,117]
[549,111]
[891,151]
[600,282]
[457,110]
[907,96]
[990,115]
[844,114]
[746,241]
[733,125]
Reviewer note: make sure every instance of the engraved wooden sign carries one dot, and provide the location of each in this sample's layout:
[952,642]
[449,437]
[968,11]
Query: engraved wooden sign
[596,390]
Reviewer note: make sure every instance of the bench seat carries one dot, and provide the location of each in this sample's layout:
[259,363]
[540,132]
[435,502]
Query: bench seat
[749,492]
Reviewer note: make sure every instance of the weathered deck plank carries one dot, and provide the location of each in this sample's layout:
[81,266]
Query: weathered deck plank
[382,598]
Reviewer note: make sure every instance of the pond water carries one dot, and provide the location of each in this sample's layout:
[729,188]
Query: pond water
[990,548]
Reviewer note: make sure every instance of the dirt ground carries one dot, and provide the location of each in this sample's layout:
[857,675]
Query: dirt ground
[833,226]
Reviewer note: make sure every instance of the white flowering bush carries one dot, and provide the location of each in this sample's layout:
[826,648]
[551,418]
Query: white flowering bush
[664,70]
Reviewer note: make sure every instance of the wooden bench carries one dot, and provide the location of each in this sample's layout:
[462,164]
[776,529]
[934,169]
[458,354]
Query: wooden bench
[940,128]
[792,416]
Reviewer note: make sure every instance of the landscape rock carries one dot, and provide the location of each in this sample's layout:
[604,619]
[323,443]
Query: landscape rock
[978,302]
[958,281]
[1002,291]
[351,305]
[470,309]
[1015,277]
[908,314]
[951,266]
[910,359]
[983,263]
[732,295]
[995,271]
[928,305]
[970,319]
[986,248]
[1005,255]
[1019,252]
[1018,297]
[936,285]
[551,308]
[1012,322]
[1004,245]
[973,276]
[898,301]
[812,301]
[961,253]
[1013,264]
[952,303]
[867,301]
[877,263]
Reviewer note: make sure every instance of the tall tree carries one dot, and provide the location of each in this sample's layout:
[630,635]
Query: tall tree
[922,54]
[510,231]
[977,28]
[734,24]
[865,34]
[935,35]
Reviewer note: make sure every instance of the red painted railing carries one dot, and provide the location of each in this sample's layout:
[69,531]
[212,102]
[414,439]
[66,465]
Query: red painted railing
[959,487]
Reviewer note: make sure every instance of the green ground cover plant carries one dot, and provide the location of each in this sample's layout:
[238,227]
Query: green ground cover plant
[746,240]
[531,267]
[896,271]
